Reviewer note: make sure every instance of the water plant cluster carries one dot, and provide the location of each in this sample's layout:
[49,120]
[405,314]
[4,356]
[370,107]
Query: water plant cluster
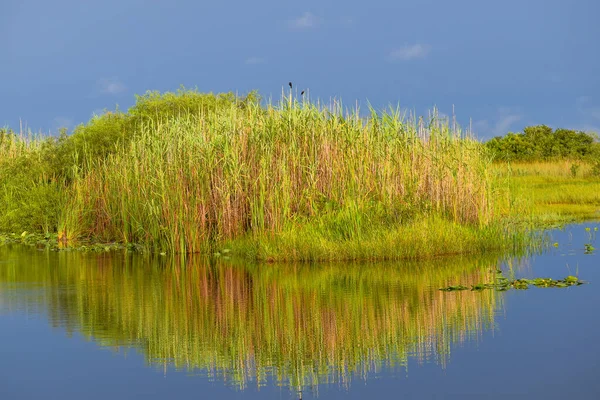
[189,172]
[501,283]
[49,241]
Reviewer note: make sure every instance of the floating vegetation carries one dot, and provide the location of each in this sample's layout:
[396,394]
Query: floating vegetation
[50,241]
[588,248]
[502,284]
[30,239]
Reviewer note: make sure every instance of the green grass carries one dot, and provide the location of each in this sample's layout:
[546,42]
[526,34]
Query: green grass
[31,195]
[424,237]
[550,192]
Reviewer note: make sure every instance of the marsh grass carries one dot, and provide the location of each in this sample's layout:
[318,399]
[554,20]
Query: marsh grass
[295,180]
[30,194]
[549,192]
[290,181]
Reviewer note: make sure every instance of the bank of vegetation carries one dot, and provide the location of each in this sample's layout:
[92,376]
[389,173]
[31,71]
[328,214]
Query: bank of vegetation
[541,143]
[189,172]
[552,174]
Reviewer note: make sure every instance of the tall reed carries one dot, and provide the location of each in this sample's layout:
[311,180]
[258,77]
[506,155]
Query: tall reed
[193,182]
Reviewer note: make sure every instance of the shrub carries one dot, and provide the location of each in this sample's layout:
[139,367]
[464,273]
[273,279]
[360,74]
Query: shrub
[541,143]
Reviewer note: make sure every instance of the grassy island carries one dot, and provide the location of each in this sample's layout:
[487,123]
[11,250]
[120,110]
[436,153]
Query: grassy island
[188,172]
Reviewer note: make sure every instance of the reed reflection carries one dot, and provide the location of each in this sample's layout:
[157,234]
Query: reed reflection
[295,325]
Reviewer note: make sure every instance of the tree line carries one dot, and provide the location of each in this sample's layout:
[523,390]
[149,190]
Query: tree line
[542,143]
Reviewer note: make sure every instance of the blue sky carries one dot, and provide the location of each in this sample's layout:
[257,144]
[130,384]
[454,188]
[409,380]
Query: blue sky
[503,64]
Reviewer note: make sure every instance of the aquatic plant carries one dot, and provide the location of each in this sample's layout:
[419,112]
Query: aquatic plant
[502,284]
[588,248]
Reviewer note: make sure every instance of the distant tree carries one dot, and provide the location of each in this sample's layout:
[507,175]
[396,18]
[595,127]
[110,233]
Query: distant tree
[540,142]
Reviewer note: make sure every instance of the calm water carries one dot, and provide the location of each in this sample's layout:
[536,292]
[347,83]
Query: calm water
[93,326]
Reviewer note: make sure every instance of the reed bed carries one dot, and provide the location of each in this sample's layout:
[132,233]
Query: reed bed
[291,181]
[297,325]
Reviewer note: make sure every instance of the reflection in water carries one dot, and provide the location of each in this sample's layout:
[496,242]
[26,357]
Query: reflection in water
[297,325]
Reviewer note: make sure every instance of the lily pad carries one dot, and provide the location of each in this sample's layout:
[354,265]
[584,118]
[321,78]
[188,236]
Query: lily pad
[502,284]
[454,288]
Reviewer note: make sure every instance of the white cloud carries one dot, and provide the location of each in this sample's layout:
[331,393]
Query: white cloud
[111,86]
[499,127]
[410,52]
[586,107]
[503,125]
[254,60]
[305,21]
[62,122]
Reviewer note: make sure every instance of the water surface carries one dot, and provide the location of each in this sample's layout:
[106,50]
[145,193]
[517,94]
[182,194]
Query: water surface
[99,326]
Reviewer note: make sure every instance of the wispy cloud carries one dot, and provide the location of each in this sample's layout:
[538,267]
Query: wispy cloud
[254,60]
[587,108]
[305,21]
[62,122]
[410,52]
[111,86]
[501,125]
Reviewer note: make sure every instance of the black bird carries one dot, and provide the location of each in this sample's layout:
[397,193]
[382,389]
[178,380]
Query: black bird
[302,93]
[290,83]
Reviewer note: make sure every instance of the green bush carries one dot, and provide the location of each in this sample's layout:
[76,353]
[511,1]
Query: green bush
[541,143]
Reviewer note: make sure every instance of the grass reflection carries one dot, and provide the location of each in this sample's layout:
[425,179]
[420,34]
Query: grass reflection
[295,325]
